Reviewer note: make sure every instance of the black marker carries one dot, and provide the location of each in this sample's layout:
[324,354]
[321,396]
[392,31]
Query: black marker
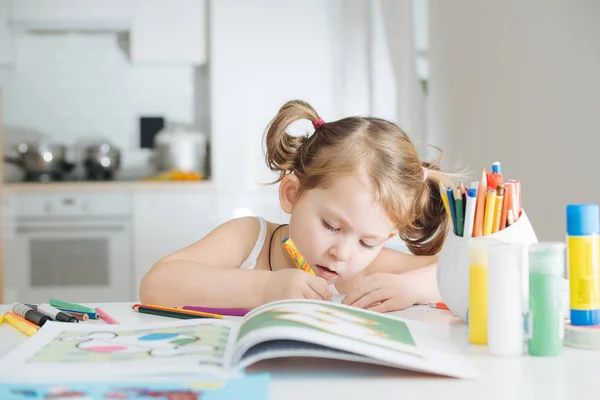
[30,314]
[55,313]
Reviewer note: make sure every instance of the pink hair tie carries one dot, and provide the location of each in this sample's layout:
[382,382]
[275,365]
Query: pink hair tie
[425,173]
[318,123]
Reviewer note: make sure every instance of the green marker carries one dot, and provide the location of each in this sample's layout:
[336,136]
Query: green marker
[71,306]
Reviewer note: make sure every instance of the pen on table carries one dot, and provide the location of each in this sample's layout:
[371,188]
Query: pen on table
[470,212]
[498,208]
[444,195]
[179,310]
[55,313]
[31,315]
[460,218]
[490,203]
[450,194]
[21,324]
[236,312]
[71,306]
[480,205]
[105,317]
[506,204]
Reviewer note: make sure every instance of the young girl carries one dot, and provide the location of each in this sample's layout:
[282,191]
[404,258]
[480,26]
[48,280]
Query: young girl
[348,187]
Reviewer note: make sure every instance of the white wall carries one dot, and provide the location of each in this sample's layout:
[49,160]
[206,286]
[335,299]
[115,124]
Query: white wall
[73,86]
[518,82]
[262,54]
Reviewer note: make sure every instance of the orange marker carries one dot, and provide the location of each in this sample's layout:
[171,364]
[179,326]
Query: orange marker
[480,205]
[498,208]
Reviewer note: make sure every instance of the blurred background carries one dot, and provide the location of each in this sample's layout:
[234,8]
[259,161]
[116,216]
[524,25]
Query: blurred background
[131,128]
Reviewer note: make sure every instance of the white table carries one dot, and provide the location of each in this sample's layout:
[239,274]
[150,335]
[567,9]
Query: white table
[574,375]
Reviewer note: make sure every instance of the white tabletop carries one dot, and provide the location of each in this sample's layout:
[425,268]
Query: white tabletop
[575,374]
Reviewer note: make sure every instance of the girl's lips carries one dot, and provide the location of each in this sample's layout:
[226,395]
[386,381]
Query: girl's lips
[325,273]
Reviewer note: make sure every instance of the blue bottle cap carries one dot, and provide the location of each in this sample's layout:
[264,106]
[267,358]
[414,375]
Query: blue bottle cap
[585,317]
[583,219]
[472,192]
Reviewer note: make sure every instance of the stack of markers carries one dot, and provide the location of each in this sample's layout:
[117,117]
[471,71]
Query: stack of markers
[487,206]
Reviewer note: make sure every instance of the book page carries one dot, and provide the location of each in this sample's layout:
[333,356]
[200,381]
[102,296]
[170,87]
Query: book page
[282,329]
[80,351]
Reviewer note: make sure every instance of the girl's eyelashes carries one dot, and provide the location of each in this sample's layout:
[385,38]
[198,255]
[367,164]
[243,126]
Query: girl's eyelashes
[331,228]
[366,246]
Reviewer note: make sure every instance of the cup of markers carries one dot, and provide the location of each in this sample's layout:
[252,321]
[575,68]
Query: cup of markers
[489,209]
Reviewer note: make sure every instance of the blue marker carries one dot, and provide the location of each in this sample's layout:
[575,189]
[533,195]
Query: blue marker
[496,167]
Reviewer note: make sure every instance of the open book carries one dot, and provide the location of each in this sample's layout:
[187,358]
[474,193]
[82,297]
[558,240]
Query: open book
[288,328]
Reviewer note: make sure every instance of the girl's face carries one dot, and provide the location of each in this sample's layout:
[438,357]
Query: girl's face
[341,229]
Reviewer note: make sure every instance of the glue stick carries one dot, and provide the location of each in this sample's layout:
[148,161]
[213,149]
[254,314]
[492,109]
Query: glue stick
[505,336]
[583,239]
[545,319]
[478,286]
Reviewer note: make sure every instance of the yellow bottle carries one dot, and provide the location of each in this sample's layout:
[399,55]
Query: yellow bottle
[478,292]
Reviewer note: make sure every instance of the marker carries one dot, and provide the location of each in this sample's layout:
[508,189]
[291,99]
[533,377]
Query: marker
[490,203]
[439,305]
[517,205]
[107,318]
[496,167]
[82,316]
[30,314]
[470,212]
[460,218]
[444,196]
[1,318]
[55,313]
[450,194]
[498,208]
[71,306]
[480,208]
[495,178]
[21,324]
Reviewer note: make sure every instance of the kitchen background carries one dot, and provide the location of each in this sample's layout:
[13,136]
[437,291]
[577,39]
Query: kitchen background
[160,106]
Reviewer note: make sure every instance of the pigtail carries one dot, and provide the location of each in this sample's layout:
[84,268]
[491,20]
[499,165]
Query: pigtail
[281,153]
[427,233]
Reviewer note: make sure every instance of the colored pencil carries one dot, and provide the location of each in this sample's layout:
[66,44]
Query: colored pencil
[105,317]
[1,318]
[180,310]
[480,208]
[510,218]
[490,203]
[450,194]
[446,203]
[167,313]
[460,218]
[71,306]
[236,312]
[498,208]
[505,204]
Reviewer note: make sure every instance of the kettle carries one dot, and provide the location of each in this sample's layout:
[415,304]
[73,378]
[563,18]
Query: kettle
[179,148]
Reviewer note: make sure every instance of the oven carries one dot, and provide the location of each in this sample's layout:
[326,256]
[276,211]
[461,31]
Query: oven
[74,247]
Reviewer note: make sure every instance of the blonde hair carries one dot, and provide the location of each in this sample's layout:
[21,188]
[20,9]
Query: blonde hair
[378,147]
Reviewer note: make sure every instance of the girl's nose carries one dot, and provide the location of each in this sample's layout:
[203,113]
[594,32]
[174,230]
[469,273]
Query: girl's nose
[340,251]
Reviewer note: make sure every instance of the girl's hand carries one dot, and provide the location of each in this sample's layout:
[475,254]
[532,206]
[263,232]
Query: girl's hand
[291,283]
[382,292]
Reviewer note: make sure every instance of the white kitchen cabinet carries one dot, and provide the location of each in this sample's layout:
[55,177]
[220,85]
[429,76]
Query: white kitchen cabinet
[71,14]
[168,32]
[165,222]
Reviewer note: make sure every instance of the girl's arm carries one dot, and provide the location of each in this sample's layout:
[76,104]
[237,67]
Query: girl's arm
[207,272]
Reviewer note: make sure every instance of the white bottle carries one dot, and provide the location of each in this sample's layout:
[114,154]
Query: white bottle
[505,299]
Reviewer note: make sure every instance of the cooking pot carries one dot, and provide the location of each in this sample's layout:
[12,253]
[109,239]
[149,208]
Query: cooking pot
[101,160]
[180,149]
[41,158]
